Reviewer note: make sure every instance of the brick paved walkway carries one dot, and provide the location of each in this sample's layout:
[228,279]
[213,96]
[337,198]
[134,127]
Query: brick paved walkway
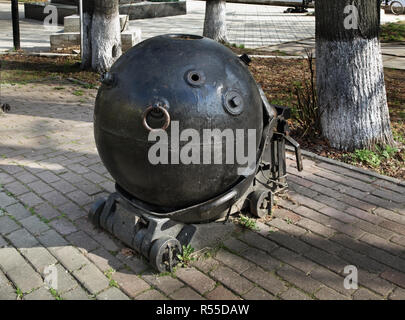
[50,174]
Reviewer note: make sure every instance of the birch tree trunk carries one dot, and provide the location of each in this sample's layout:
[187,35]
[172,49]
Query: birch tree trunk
[101,35]
[350,75]
[215,20]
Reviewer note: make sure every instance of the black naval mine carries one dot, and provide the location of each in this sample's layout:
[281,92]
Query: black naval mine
[183,82]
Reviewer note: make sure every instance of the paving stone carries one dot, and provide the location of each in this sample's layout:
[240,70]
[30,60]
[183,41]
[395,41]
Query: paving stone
[232,280]
[257,241]
[6,200]
[362,261]
[397,294]
[16,188]
[63,186]
[322,243]
[7,292]
[233,261]
[308,202]
[71,258]
[323,258]
[55,198]
[30,199]
[39,257]
[18,270]
[91,278]
[186,294]
[221,293]
[331,280]
[364,215]
[48,176]
[312,214]
[398,240]
[52,240]
[63,226]
[75,294]
[262,259]
[167,284]
[104,260]
[289,228]
[130,283]
[78,168]
[205,265]
[294,294]
[39,294]
[316,227]
[7,225]
[136,264]
[375,283]
[236,245]
[329,294]
[292,243]
[65,281]
[5,178]
[89,188]
[151,295]
[106,241]
[393,226]
[72,211]
[395,277]
[364,294]
[34,225]
[71,177]
[377,230]
[94,177]
[46,211]
[18,211]
[22,239]
[79,197]
[258,294]
[40,187]
[82,241]
[265,280]
[112,294]
[3,242]
[196,279]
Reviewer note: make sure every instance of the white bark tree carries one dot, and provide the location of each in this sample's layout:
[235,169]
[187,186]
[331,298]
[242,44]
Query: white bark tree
[215,20]
[101,34]
[350,75]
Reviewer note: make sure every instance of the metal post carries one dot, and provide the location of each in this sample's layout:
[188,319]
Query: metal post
[16,24]
[81,28]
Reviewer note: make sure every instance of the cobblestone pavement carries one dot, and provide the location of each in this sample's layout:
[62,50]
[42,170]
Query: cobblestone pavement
[249,25]
[50,174]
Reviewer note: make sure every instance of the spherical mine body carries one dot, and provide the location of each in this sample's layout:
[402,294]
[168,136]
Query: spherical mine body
[185,89]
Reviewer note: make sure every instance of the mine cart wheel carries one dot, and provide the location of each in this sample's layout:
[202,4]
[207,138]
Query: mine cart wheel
[96,210]
[261,202]
[163,255]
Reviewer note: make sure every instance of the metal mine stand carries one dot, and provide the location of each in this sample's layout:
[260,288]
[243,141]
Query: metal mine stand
[160,237]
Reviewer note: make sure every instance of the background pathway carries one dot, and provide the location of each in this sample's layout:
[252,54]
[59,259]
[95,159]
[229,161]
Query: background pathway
[50,174]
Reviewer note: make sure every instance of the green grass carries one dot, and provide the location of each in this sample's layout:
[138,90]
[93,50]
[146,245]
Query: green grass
[393,32]
[372,157]
[112,282]
[19,293]
[247,222]
[55,294]
[78,93]
[187,256]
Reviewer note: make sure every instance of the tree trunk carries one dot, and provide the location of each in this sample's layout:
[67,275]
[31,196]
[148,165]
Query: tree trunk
[350,75]
[101,34]
[215,20]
